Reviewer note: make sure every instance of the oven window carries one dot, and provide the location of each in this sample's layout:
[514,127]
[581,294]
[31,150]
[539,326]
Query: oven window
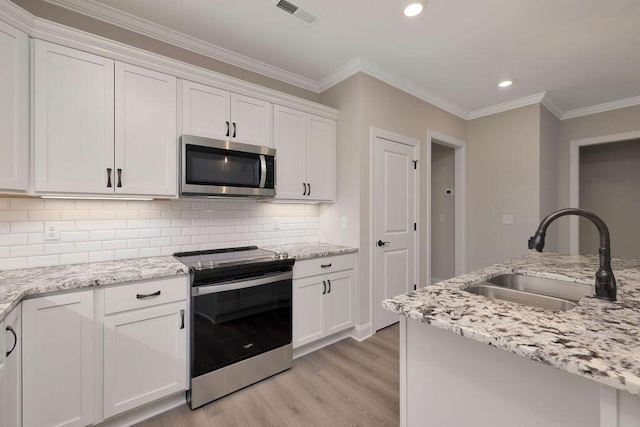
[235,325]
[211,166]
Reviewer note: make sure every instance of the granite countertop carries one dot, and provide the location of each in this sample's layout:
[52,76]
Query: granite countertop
[302,251]
[16,284]
[597,339]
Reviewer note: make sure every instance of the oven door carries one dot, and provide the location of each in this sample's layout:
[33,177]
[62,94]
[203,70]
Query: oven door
[233,321]
[215,167]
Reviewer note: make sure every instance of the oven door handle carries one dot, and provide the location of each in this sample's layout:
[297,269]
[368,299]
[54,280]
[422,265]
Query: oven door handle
[240,284]
[263,171]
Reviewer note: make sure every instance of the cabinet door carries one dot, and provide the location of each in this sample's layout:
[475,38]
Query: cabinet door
[3,377]
[57,345]
[205,111]
[146,141]
[13,369]
[250,121]
[14,105]
[321,161]
[73,120]
[145,354]
[340,301]
[308,310]
[289,138]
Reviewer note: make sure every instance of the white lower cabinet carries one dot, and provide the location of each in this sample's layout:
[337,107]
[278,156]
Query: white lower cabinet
[58,360]
[144,356]
[12,376]
[323,299]
[141,328]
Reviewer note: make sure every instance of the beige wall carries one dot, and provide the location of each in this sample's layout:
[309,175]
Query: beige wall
[382,106]
[442,233]
[549,130]
[610,187]
[58,14]
[503,177]
[607,123]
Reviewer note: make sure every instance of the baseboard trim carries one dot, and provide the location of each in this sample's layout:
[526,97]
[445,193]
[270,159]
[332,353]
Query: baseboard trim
[362,332]
[317,345]
[148,411]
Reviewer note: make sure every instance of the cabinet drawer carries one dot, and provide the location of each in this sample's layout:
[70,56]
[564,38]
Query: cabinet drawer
[144,294]
[315,266]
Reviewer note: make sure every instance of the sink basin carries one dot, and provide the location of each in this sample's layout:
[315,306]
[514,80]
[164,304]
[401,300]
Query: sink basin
[533,291]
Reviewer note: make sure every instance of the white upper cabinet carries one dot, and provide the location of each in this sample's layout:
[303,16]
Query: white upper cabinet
[102,127]
[74,121]
[214,113]
[306,145]
[14,109]
[146,143]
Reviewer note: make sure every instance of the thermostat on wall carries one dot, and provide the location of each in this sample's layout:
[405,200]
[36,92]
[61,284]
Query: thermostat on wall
[449,192]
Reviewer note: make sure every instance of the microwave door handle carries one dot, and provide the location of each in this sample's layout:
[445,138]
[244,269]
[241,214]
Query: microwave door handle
[263,171]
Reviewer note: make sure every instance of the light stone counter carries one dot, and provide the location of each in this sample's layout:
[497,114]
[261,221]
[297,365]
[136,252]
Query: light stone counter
[16,284]
[598,340]
[301,251]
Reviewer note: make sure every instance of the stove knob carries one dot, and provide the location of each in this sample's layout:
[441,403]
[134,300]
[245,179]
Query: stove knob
[211,264]
[199,265]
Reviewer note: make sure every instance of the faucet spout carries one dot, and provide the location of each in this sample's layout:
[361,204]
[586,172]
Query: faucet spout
[606,288]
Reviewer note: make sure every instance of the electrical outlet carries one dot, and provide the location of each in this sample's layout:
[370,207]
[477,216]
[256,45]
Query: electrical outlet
[507,219]
[276,225]
[344,222]
[51,231]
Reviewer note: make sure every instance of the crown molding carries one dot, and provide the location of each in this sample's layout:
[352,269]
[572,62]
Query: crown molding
[147,28]
[341,74]
[601,108]
[552,106]
[506,106]
[16,16]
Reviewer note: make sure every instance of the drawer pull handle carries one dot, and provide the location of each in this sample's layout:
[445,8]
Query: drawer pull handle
[143,296]
[181,319]
[15,340]
[325,265]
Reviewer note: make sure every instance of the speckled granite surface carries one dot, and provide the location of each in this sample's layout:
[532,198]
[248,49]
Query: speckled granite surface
[598,340]
[311,250]
[16,284]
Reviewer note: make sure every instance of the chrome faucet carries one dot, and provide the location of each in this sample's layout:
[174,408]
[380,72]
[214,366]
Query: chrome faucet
[605,281]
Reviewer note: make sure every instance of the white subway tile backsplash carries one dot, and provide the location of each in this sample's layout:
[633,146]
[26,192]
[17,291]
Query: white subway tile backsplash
[88,246]
[114,244]
[75,215]
[74,258]
[104,230]
[43,261]
[58,248]
[102,256]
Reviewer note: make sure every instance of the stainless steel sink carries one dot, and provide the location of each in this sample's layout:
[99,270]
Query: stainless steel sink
[533,291]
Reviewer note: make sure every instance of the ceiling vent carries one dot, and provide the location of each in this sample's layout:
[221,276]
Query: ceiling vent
[296,11]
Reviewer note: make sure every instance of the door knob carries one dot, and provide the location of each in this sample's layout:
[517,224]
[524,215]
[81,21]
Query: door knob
[381,243]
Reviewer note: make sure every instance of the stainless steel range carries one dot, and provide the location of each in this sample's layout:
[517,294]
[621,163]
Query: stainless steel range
[241,319]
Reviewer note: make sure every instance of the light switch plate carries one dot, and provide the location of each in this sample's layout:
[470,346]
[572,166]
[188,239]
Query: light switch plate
[344,222]
[507,219]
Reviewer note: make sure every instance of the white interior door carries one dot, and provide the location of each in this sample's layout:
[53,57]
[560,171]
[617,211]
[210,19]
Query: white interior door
[393,225]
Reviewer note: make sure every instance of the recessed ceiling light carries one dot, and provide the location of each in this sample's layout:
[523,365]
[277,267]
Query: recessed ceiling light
[413,9]
[505,83]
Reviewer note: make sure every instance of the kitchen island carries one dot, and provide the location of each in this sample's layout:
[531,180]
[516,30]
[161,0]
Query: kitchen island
[507,364]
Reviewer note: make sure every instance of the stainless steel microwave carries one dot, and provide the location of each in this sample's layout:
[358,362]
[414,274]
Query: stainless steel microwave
[212,167]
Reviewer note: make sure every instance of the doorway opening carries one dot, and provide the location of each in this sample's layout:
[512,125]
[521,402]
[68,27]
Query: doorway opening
[604,177]
[437,200]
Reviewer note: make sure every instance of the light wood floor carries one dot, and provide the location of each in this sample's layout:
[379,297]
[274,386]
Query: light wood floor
[347,383]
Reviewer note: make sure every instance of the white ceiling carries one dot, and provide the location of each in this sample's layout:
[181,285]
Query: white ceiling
[580,52]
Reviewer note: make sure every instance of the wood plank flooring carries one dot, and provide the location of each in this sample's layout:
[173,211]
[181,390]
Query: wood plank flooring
[346,384]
